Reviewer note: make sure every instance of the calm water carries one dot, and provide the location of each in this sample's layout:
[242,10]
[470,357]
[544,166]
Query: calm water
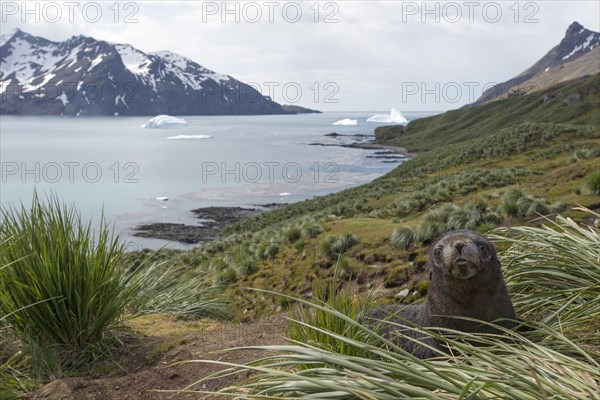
[113,164]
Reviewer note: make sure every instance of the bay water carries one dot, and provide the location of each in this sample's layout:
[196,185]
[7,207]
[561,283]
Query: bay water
[138,176]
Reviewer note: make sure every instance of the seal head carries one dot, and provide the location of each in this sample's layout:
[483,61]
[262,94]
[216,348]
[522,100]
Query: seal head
[462,254]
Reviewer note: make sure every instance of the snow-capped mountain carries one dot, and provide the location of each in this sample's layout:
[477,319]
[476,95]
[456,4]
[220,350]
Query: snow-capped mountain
[85,76]
[578,54]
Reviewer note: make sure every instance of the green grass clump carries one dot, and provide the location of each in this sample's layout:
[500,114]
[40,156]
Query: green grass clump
[65,288]
[334,246]
[402,237]
[593,182]
[475,216]
[307,323]
[553,273]
[13,364]
[292,235]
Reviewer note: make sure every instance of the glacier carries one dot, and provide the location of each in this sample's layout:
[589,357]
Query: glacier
[165,122]
[346,122]
[394,117]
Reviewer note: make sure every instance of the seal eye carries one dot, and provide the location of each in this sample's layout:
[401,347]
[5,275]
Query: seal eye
[483,247]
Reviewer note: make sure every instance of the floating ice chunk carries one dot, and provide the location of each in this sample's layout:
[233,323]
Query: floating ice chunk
[162,199]
[346,122]
[393,117]
[165,122]
[189,137]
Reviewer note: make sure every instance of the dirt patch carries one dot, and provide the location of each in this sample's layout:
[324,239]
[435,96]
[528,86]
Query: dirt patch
[154,367]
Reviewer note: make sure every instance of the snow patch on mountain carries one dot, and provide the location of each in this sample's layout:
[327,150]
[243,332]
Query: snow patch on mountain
[5,37]
[134,60]
[582,46]
[189,72]
[28,61]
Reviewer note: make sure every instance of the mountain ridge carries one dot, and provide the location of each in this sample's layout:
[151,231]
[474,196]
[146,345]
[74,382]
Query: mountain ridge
[577,43]
[86,76]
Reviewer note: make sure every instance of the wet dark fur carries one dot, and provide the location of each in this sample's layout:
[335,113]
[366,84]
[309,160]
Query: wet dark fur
[482,296]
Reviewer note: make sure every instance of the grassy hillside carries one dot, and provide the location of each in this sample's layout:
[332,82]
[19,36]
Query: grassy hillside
[575,102]
[501,164]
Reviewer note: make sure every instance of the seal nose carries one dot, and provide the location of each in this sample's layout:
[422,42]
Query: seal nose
[459,246]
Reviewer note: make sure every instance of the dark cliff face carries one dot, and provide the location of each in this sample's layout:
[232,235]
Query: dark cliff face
[577,42]
[85,76]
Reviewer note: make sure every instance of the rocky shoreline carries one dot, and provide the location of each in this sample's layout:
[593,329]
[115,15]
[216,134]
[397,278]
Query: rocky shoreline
[212,221]
[386,153]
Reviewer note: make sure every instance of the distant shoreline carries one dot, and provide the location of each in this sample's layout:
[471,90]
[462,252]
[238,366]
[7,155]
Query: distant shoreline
[377,146]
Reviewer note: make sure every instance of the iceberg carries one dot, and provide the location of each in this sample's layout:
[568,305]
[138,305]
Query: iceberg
[394,117]
[165,122]
[346,122]
[189,137]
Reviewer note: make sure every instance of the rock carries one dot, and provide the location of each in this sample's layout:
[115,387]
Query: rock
[55,390]
[402,293]
[384,133]
[214,220]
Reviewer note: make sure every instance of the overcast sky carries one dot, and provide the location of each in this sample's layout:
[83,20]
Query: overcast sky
[342,55]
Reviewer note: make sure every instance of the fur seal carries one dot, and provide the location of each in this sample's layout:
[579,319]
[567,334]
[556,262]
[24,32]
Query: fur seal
[466,281]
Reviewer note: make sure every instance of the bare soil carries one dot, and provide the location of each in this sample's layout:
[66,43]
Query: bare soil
[153,365]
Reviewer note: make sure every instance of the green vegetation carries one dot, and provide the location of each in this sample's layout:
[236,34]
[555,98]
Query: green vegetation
[333,247]
[593,182]
[553,273]
[475,216]
[554,278]
[311,325]
[65,290]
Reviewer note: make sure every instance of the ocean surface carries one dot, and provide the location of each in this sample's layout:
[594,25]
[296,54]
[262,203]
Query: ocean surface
[138,176]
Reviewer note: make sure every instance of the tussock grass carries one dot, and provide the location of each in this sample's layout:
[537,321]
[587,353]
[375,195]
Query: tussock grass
[307,323]
[65,289]
[593,182]
[553,275]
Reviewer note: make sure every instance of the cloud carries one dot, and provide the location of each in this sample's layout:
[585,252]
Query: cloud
[369,50]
